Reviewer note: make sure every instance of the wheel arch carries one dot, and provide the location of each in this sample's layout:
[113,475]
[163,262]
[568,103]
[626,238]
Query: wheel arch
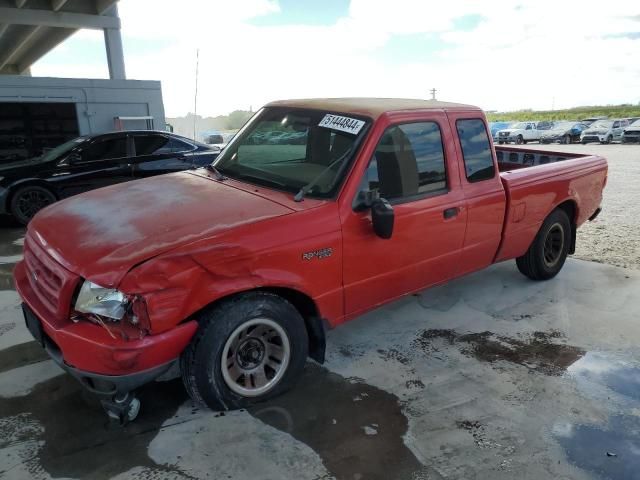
[570,207]
[13,188]
[315,325]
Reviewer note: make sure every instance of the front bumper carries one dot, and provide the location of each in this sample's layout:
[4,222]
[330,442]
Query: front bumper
[593,138]
[102,363]
[631,137]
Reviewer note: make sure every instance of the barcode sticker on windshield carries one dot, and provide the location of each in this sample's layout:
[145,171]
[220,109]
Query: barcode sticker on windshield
[344,124]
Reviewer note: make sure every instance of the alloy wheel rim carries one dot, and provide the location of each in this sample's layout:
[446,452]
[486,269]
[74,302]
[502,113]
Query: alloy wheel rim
[553,245]
[255,357]
[31,202]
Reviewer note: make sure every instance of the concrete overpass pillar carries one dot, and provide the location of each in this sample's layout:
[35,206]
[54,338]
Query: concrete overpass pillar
[115,53]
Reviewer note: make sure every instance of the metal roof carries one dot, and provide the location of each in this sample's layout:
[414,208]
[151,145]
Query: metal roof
[31,28]
[371,107]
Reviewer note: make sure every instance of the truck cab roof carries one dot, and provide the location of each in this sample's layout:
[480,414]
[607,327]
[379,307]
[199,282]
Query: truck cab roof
[371,107]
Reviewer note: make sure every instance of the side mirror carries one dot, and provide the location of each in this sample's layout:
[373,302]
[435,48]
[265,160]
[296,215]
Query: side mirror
[382,217]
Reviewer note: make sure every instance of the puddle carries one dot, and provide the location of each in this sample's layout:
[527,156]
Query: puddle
[538,352]
[597,370]
[20,355]
[355,428]
[611,451]
[73,437]
[11,244]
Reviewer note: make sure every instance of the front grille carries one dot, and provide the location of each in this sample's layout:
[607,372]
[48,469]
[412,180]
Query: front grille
[50,282]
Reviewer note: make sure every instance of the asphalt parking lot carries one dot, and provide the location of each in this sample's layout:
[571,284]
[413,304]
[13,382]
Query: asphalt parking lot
[491,376]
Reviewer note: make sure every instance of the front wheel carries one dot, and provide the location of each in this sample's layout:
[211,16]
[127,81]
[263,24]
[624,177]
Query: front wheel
[519,140]
[567,139]
[248,349]
[29,200]
[549,249]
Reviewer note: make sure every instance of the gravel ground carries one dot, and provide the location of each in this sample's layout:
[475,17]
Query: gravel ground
[614,237]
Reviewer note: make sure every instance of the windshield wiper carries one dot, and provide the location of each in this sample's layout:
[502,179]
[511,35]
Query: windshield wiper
[216,172]
[307,188]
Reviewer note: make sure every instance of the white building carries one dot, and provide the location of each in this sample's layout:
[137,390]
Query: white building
[40,113]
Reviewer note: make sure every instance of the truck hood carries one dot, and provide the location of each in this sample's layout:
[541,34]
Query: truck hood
[102,234]
[511,131]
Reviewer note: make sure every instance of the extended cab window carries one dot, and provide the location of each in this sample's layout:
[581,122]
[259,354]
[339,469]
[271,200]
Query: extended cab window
[476,150]
[105,149]
[408,161]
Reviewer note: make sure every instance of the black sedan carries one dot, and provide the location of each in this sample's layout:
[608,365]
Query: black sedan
[95,161]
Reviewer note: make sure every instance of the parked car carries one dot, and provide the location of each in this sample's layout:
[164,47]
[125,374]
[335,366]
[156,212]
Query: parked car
[495,127]
[589,120]
[631,133]
[94,161]
[519,133]
[233,272]
[563,132]
[603,131]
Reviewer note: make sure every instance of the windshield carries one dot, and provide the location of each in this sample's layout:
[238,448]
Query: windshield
[563,125]
[62,149]
[291,148]
[601,124]
[635,124]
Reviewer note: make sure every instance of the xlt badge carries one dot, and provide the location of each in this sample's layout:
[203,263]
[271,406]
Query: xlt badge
[322,253]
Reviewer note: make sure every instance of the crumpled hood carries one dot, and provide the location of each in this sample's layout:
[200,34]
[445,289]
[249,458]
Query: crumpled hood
[102,234]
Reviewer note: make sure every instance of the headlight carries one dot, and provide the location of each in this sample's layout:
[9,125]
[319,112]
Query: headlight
[106,302]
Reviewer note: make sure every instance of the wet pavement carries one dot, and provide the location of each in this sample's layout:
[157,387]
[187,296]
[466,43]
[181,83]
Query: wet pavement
[491,376]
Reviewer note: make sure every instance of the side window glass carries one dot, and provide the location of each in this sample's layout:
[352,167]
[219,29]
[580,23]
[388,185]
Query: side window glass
[105,149]
[151,144]
[616,124]
[476,151]
[409,160]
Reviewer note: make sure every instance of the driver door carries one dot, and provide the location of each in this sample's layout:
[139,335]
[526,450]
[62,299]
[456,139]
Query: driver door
[417,173]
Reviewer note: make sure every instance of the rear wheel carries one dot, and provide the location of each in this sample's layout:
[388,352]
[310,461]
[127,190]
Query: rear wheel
[549,249]
[29,200]
[248,349]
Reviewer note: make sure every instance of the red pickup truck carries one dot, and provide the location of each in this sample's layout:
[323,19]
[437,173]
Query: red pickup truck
[316,212]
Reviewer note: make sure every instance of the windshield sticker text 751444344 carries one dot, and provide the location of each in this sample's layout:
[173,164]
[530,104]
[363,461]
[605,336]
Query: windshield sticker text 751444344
[344,124]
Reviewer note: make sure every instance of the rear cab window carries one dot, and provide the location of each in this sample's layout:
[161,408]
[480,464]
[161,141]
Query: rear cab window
[476,150]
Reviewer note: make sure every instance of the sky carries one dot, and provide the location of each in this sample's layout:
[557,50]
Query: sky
[538,54]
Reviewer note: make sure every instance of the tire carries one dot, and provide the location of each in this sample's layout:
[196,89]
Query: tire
[215,383]
[500,142]
[519,140]
[583,142]
[608,140]
[547,254]
[29,200]
[567,140]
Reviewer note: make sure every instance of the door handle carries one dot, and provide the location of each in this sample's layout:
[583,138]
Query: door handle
[450,212]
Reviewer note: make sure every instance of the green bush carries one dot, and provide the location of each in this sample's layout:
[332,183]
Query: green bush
[578,113]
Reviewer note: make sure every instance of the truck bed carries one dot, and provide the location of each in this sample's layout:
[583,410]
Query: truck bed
[537,180]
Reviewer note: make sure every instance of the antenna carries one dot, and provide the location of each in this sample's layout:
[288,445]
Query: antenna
[195,97]
[433,93]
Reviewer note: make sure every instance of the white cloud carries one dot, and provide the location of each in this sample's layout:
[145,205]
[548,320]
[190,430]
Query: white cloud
[526,54]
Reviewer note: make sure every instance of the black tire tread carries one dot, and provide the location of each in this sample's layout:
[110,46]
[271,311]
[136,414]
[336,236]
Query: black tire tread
[217,319]
[531,264]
